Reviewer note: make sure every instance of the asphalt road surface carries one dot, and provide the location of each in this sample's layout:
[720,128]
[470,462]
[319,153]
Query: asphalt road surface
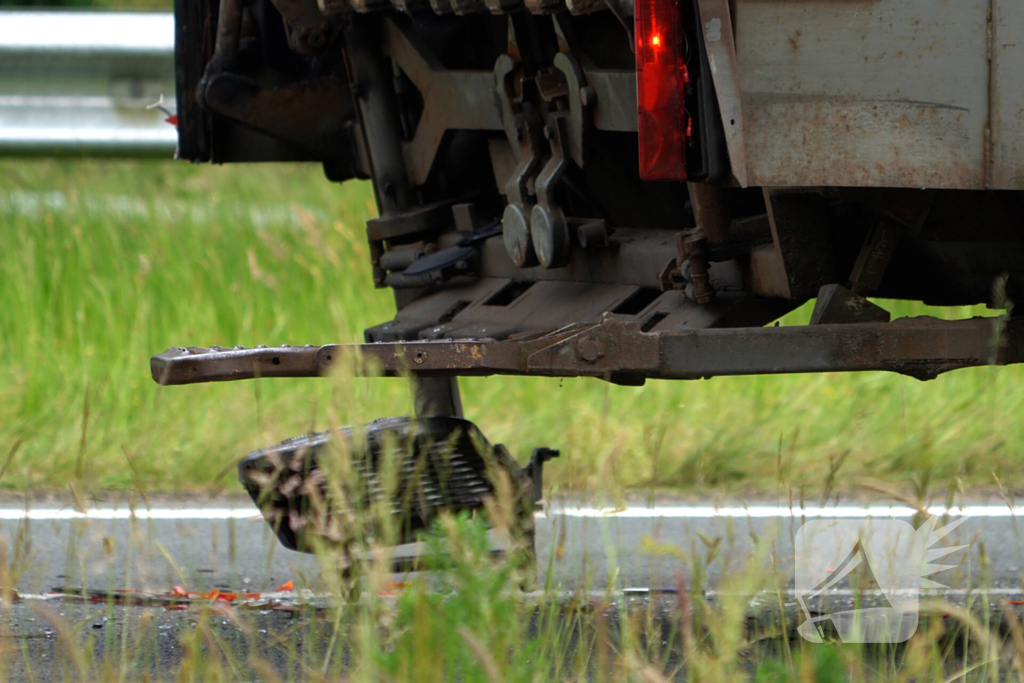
[641,551]
[202,544]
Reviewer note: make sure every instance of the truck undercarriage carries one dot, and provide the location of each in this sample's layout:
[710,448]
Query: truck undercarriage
[631,192]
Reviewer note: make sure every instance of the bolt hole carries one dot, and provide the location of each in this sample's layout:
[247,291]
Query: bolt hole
[275,360]
[732,122]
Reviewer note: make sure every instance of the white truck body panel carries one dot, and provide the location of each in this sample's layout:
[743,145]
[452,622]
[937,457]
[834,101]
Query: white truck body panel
[876,93]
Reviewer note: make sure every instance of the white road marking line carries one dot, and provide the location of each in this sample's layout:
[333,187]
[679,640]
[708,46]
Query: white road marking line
[845,592]
[673,512]
[102,514]
[775,512]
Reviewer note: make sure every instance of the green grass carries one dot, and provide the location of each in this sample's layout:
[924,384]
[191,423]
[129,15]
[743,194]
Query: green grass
[104,263]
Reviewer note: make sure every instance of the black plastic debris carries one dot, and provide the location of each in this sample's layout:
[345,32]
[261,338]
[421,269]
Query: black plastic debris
[316,493]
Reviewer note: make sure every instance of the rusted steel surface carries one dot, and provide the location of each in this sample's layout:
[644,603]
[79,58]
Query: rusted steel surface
[711,210]
[837,304]
[622,352]
[311,114]
[919,347]
[452,99]
[719,39]
[614,98]
[879,93]
[217,364]
[805,246]
[1007,94]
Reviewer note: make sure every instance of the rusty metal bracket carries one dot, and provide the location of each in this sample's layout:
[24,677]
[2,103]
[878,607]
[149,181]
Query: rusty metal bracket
[901,212]
[452,99]
[581,97]
[548,227]
[310,32]
[622,352]
[522,124]
[838,305]
[423,218]
[312,114]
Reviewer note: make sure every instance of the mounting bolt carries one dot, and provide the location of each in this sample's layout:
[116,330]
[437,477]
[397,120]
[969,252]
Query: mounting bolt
[315,38]
[590,350]
[588,95]
[549,132]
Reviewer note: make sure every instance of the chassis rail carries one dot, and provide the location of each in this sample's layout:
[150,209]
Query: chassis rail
[621,352]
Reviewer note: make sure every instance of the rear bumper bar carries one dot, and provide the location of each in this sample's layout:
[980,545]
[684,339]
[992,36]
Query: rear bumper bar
[621,352]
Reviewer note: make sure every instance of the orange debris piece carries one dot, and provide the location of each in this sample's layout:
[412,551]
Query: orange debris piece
[215,594]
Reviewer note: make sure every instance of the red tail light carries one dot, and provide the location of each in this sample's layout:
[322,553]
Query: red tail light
[660,78]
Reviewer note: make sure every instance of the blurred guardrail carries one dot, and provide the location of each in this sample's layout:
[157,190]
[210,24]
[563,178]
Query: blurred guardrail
[77,83]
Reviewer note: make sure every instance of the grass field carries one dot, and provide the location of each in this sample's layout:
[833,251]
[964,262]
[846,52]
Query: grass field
[104,263]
